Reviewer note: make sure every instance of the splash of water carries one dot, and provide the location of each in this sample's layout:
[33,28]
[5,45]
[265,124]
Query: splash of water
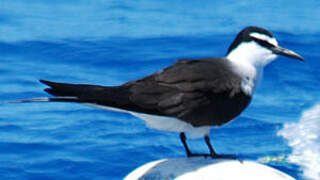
[304,138]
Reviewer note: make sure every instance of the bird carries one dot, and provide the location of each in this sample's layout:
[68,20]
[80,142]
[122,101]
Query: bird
[192,95]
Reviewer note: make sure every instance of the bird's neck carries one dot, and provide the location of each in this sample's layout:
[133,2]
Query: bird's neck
[248,61]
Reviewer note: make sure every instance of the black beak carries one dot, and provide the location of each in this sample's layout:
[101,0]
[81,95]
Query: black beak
[286,52]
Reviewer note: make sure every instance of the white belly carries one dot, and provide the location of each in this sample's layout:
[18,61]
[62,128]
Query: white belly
[165,123]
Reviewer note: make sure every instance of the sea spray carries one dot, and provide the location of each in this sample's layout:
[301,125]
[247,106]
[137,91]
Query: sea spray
[304,138]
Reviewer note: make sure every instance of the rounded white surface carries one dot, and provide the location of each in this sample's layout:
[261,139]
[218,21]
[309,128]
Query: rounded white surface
[206,169]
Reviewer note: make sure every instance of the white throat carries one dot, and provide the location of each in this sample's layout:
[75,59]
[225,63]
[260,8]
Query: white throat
[249,60]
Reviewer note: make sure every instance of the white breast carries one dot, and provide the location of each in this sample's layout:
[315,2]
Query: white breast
[248,61]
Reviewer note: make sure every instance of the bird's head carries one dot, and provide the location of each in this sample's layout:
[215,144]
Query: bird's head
[258,47]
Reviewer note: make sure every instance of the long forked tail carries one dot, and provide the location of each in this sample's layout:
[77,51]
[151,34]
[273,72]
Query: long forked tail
[60,90]
[84,93]
[70,90]
[116,97]
[65,92]
[42,99]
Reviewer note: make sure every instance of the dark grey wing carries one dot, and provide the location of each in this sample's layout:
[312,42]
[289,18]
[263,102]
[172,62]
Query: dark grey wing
[201,92]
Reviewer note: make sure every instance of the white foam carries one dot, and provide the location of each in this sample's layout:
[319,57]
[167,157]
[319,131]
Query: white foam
[304,138]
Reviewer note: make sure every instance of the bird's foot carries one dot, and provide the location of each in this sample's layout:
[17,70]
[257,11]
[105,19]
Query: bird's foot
[223,156]
[213,156]
[198,155]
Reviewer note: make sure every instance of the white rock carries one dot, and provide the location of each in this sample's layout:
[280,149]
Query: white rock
[200,168]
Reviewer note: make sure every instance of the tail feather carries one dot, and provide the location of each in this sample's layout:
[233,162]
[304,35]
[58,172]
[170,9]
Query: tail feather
[84,93]
[70,90]
[117,97]
[107,96]
[44,99]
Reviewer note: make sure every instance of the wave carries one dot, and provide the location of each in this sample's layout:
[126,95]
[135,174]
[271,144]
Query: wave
[304,138]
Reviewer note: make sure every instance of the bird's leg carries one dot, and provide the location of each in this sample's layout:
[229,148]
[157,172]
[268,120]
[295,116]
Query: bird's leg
[183,140]
[212,154]
[212,151]
[189,153]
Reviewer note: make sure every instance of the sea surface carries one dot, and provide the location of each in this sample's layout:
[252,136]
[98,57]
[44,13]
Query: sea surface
[110,42]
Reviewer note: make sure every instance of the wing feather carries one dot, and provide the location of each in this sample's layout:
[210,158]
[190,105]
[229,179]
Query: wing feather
[190,90]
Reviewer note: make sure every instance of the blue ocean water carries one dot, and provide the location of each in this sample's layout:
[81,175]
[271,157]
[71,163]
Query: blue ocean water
[111,42]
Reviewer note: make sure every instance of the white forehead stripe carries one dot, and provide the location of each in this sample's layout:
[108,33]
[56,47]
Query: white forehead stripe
[264,37]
